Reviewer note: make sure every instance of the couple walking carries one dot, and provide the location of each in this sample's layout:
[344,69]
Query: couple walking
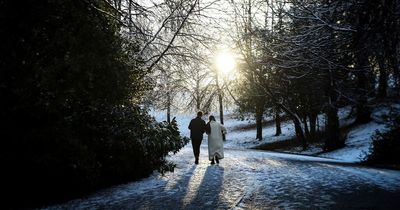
[214,130]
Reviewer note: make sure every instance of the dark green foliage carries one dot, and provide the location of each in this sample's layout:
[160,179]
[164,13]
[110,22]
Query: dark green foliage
[71,88]
[385,148]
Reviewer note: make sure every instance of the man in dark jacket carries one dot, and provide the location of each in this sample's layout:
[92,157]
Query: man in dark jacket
[197,128]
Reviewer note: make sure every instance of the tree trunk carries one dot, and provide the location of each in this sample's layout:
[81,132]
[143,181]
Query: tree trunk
[297,125]
[221,110]
[259,117]
[393,27]
[306,131]
[360,41]
[396,70]
[333,140]
[278,130]
[394,62]
[382,88]
[363,113]
[168,108]
[299,132]
[313,126]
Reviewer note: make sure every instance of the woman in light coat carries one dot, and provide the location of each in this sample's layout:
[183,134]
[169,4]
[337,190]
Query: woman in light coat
[215,131]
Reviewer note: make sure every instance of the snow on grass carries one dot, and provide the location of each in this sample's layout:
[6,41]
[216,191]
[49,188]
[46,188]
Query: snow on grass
[359,139]
[247,138]
[357,143]
[343,114]
[242,135]
[381,113]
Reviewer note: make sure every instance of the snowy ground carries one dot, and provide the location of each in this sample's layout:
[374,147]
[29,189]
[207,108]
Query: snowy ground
[357,144]
[250,179]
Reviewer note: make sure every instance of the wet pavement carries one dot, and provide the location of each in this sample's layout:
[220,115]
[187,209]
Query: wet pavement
[250,179]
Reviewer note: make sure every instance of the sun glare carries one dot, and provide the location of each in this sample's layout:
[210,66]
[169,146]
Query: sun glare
[225,62]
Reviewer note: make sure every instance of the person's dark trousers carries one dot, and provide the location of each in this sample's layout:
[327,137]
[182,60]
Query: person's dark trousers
[196,149]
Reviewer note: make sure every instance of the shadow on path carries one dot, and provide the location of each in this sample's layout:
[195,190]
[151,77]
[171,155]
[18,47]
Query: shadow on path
[208,194]
[200,188]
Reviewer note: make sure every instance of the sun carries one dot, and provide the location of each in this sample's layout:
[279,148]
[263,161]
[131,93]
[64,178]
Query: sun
[225,62]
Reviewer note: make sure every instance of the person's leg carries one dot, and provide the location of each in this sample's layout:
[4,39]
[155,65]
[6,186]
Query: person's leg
[196,149]
[212,160]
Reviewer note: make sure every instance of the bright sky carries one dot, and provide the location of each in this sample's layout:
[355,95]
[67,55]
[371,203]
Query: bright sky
[225,62]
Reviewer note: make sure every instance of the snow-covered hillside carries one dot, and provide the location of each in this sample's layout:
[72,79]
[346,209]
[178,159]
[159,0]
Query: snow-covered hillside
[241,133]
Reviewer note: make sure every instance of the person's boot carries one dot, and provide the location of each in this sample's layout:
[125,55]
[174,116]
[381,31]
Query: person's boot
[216,159]
[212,162]
[196,161]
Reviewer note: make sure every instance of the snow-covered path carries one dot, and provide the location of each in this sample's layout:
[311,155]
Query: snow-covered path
[249,179]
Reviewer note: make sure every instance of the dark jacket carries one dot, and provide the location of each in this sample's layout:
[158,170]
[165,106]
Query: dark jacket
[197,128]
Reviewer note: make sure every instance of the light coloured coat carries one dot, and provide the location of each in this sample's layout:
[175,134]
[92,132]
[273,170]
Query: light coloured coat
[215,141]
